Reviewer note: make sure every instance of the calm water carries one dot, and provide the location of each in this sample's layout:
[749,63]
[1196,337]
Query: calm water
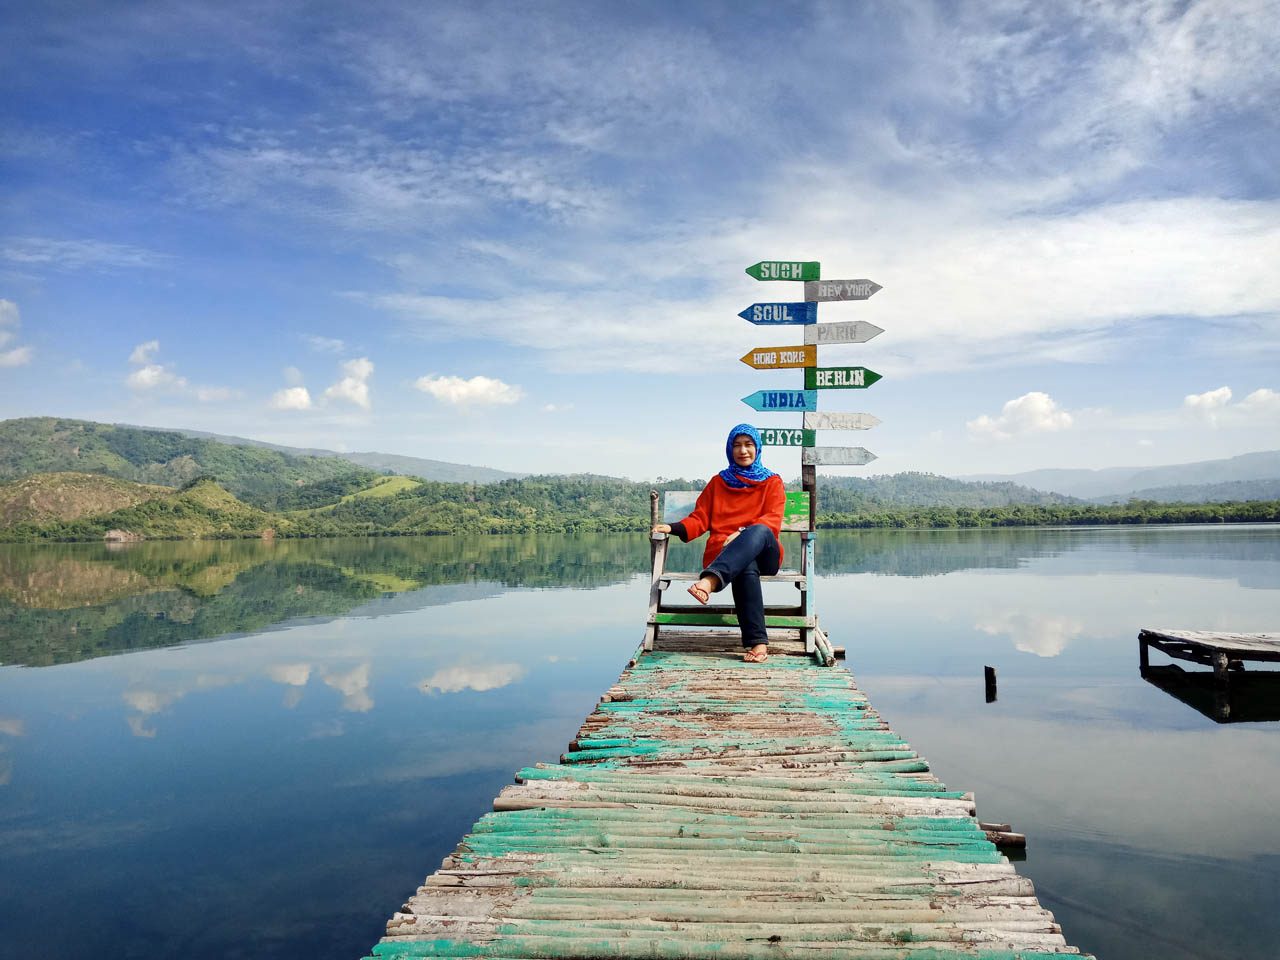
[224,750]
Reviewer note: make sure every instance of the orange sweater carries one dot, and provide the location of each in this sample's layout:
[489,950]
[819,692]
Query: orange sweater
[723,510]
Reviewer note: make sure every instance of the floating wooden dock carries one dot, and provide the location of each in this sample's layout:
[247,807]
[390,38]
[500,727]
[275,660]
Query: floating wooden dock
[1222,651]
[714,809]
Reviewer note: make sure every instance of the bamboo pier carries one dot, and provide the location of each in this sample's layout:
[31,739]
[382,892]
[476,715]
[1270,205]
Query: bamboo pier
[710,808]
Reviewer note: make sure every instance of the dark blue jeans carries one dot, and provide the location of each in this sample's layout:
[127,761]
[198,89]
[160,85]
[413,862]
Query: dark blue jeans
[752,554]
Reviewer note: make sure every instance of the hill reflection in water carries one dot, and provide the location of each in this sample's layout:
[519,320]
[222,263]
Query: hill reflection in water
[69,602]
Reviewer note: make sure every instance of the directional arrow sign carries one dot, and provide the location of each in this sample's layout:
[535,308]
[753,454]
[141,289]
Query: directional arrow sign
[801,312]
[782,400]
[838,378]
[837,289]
[836,456]
[779,358]
[786,270]
[780,437]
[859,331]
[813,420]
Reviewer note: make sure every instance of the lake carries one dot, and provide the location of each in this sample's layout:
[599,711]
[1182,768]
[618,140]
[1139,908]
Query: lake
[260,749]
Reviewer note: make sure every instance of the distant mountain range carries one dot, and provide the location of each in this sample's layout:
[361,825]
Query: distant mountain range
[1250,476]
[409,466]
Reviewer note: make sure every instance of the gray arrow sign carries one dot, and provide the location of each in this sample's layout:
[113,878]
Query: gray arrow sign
[839,289]
[857,331]
[813,420]
[836,456]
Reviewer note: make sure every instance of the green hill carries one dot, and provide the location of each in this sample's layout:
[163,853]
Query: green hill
[56,497]
[201,511]
[259,476]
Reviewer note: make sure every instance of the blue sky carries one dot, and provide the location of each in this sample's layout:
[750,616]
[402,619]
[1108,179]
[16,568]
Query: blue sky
[515,234]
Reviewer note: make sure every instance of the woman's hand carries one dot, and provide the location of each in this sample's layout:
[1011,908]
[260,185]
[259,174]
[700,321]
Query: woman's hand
[660,528]
[731,537]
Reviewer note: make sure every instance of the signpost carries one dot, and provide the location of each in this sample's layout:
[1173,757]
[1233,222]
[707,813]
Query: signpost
[838,378]
[787,270]
[782,400]
[820,290]
[813,420]
[778,437]
[800,312]
[836,456]
[859,331]
[780,358]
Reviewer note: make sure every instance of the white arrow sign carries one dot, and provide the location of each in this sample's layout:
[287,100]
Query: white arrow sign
[813,420]
[857,331]
[836,456]
[839,289]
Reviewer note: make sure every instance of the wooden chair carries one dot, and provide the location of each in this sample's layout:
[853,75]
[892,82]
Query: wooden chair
[677,504]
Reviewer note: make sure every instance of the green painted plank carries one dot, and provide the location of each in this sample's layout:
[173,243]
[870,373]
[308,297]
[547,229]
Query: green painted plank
[725,620]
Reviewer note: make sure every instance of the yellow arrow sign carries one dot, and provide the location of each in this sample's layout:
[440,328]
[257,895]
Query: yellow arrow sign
[778,358]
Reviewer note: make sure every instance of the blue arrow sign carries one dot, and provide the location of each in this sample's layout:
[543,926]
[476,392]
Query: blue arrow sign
[771,313]
[782,400]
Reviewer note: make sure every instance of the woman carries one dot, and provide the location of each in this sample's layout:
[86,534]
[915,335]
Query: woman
[742,508]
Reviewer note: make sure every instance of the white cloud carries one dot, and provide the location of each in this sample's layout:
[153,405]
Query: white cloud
[145,352]
[354,386]
[155,376]
[292,376]
[1037,633]
[291,674]
[18,357]
[10,320]
[477,390]
[354,687]
[1262,401]
[456,679]
[325,344]
[1215,408]
[13,726]
[291,398]
[215,394]
[1033,412]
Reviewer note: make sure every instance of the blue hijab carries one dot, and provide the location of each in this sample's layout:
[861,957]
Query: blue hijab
[741,477]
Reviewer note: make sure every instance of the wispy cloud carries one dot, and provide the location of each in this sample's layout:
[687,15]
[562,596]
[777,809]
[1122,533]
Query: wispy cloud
[325,344]
[291,398]
[77,254]
[455,679]
[152,377]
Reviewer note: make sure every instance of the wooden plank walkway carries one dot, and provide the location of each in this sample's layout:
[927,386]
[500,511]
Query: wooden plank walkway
[1223,651]
[714,809]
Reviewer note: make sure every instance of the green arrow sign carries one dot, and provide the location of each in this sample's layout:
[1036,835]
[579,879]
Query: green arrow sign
[782,437]
[838,378]
[785,270]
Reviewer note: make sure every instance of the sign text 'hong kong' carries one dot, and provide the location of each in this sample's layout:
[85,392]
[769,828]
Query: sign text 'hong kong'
[779,358]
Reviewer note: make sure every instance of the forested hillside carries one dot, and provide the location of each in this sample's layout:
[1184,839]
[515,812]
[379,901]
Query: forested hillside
[257,475]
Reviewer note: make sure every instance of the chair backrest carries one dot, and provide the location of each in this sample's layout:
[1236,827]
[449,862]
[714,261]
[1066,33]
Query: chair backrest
[678,504]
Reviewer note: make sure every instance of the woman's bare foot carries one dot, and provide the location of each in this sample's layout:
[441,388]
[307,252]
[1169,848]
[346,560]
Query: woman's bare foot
[757,654]
[702,589]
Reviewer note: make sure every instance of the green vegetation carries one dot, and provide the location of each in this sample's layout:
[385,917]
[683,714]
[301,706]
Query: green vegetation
[122,489]
[261,477]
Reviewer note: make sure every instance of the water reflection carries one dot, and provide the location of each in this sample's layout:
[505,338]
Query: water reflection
[1250,697]
[63,603]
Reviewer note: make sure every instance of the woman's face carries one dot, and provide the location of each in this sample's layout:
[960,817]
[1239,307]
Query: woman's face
[744,450]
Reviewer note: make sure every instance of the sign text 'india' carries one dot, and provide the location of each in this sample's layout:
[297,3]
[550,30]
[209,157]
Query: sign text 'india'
[782,400]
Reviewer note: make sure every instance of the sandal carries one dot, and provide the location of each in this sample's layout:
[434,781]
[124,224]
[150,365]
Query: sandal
[752,657]
[700,593]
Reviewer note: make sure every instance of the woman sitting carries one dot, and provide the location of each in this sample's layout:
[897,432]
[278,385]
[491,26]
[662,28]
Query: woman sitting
[742,508]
